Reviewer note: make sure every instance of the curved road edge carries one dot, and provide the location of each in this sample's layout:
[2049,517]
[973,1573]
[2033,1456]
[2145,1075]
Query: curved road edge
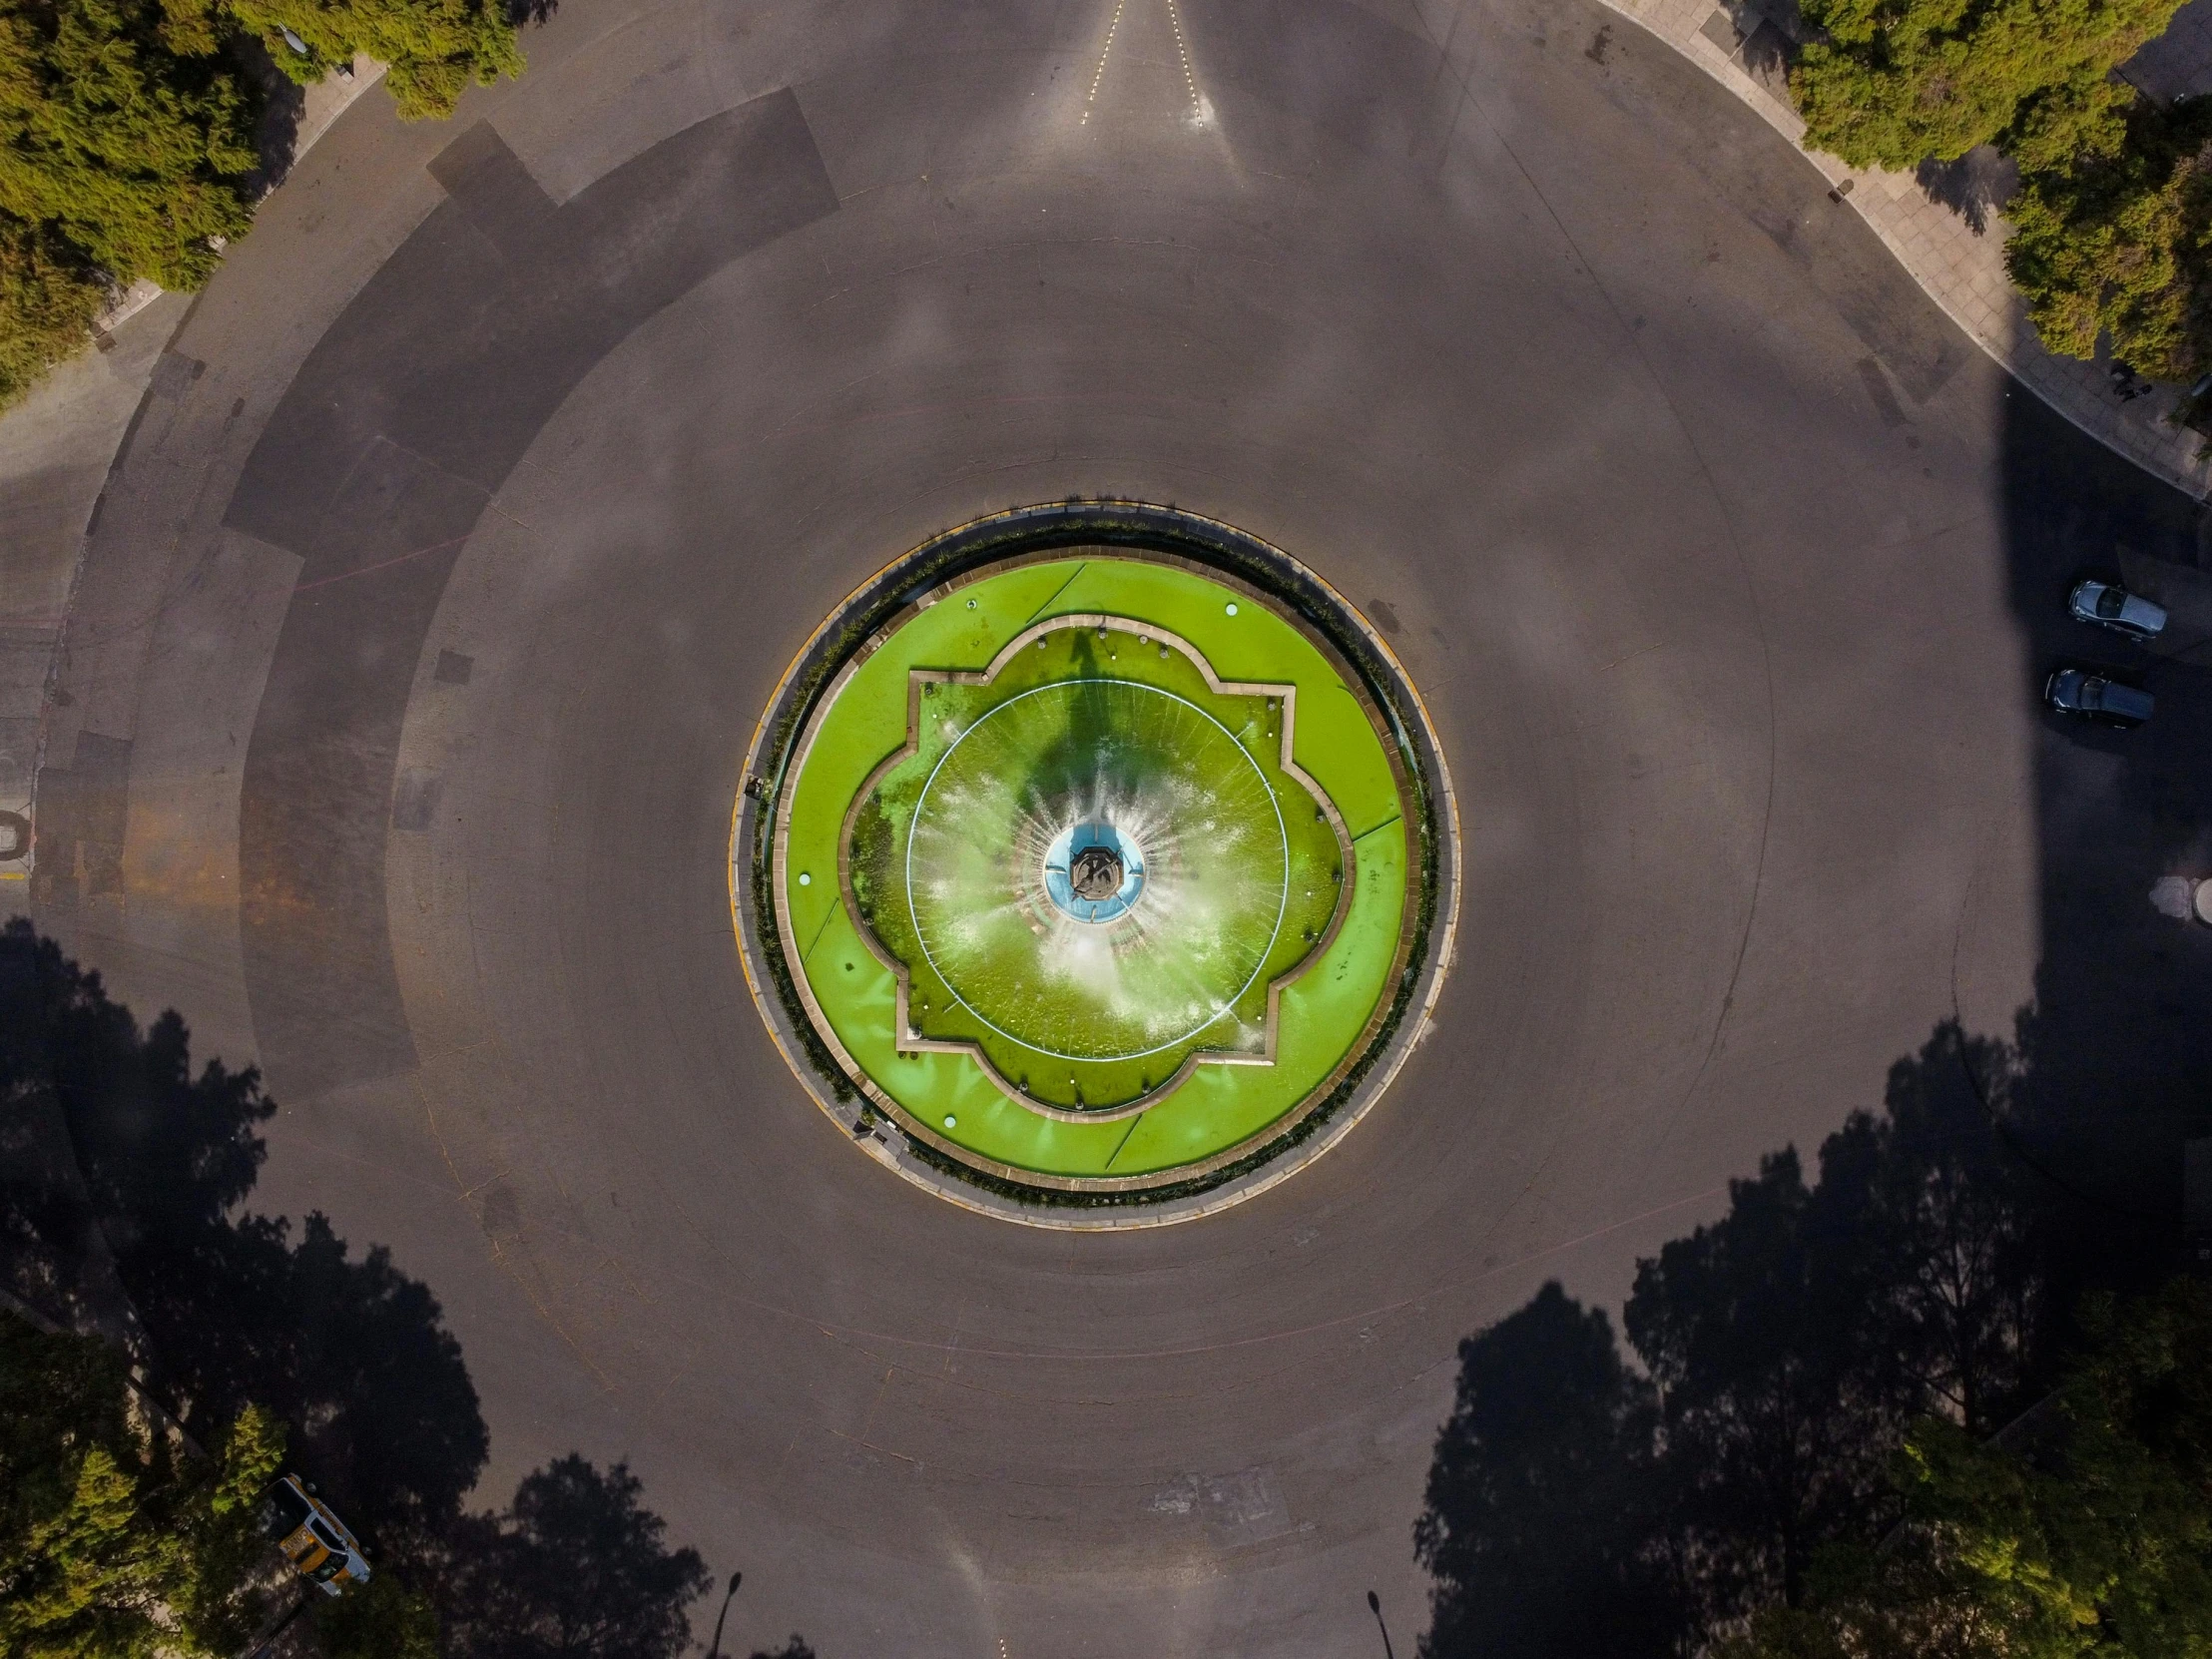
[1961,270]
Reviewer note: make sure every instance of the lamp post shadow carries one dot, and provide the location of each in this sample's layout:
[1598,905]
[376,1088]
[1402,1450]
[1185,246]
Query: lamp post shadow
[714,1650]
[1374,1607]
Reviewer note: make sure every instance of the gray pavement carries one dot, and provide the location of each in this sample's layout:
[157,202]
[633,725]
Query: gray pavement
[54,449]
[439,586]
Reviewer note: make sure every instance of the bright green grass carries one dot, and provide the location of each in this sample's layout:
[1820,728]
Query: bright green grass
[1245,873]
[1322,1013]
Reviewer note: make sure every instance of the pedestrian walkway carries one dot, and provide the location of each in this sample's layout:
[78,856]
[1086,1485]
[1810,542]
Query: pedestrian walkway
[1944,228]
[55,450]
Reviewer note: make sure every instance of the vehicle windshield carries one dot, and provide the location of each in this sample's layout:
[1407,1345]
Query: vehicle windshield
[332,1566]
[2110,602]
[283,1512]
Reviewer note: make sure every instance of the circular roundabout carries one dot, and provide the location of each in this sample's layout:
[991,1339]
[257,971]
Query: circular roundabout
[1097,867]
[621,887]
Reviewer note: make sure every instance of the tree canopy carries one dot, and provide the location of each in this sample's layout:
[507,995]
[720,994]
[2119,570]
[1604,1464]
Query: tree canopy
[1892,83]
[2113,221]
[129,134]
[2116,239]
[128,150]
[435,49]
[2084,1529]
[115,1540]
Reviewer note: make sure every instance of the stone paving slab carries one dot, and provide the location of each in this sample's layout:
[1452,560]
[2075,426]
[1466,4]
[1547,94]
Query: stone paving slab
[1961,265]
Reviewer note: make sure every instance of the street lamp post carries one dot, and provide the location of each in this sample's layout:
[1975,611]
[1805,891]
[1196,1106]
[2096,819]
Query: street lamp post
[736,1578]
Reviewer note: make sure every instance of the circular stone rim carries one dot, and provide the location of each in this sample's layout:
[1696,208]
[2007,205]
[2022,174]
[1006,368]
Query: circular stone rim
[1275,933]
[1235,559]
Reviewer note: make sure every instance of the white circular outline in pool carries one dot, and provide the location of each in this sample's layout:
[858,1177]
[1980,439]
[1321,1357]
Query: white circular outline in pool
[1282,907]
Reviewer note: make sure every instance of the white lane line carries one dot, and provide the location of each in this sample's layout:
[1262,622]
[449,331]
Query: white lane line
[1102,57]
[1183,46]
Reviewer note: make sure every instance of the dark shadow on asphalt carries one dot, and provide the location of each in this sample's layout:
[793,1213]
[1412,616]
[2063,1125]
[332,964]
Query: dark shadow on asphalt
[2111,1069]
[124,1178]
[1582,1502]
[576,1564]
[229,1306]
[276,134]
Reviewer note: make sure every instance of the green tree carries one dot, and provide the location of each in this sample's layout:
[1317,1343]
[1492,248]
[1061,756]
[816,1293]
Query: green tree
[435,48]
[1893,82]
[114,1541]
[47,301]
[221,1597]
[131,153]
[383,1619]
[2086,1528]
[2116,239]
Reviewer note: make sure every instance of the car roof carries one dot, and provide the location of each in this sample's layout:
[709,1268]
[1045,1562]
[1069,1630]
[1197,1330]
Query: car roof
[2126,700]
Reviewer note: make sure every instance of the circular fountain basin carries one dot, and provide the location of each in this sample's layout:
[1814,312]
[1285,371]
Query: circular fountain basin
[1129,875]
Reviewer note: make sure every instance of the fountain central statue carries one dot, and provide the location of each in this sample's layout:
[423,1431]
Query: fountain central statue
[1096,874]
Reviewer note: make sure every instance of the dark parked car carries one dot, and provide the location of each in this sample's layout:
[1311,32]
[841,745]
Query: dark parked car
[2111,606]
[2093,695]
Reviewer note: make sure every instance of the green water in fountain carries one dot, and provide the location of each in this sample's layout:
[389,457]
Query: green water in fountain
[1241,869]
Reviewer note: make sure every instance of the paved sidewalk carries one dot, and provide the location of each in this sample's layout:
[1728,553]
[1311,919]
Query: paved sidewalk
[1957,252]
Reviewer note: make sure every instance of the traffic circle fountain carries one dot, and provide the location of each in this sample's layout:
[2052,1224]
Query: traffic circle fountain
[1098,869]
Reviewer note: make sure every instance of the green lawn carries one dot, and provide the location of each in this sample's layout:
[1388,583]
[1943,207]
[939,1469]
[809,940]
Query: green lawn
[1321,1014]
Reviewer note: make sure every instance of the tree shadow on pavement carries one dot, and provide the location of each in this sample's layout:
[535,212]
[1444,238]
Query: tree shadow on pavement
[1974,187]
[574,1568]
[2112,1069]
[1578,1504]
[229,1309]
[1541,1529]
[283,105]
[123,1183]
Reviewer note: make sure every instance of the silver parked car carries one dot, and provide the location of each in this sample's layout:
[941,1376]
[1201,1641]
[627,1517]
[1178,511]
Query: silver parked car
[2111,606]
[2092,696]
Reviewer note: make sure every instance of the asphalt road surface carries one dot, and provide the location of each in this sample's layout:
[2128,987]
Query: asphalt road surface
[479,502]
